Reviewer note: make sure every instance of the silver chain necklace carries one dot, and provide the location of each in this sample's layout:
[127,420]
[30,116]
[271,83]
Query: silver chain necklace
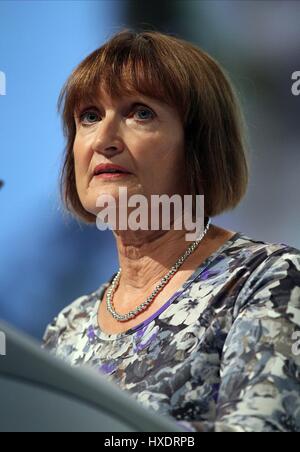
[115,283]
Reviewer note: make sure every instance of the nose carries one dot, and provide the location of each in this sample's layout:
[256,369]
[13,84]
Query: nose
[107,139]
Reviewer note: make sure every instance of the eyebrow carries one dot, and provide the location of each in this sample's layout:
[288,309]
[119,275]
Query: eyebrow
[133,103]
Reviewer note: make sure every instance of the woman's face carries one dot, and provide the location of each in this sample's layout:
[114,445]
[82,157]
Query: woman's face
[141,134]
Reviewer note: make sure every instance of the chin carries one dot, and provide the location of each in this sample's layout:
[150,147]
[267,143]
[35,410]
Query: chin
[89,201]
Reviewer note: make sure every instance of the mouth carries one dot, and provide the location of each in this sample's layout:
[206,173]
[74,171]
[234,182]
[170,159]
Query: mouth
[112,175]
[111,171]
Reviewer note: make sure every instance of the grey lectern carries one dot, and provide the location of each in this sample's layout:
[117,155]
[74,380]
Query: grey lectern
[41,393]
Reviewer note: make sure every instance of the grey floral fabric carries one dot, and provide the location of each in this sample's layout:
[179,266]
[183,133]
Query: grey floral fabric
[220,356]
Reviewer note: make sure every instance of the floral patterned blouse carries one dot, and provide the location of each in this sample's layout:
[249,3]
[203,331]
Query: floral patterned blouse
[222,354]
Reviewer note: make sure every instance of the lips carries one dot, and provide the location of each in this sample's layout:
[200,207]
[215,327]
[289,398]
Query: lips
[110,169]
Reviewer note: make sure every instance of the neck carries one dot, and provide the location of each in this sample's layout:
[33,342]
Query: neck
[145,258]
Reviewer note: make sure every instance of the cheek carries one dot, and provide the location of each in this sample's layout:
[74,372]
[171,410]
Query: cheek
[163,156]
[77,150]
[81,157]
[81,166]
[160,165]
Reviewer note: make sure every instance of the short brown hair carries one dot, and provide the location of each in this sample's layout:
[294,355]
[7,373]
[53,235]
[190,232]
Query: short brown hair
[163,66]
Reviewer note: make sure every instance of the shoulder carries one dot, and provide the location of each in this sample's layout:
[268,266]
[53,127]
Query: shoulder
[70,318]
[259,272]
[273,276]
[258,256]
[247,260]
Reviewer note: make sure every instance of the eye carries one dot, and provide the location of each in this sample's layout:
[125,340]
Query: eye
[88,117]
[143,111]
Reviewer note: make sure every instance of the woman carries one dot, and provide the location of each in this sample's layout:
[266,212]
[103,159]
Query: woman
[213,343]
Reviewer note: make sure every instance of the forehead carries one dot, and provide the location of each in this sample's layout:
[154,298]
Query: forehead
[103,98]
